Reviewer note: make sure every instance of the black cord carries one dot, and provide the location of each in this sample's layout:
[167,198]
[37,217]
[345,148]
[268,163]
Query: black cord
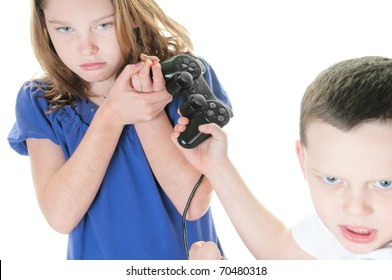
[185,236]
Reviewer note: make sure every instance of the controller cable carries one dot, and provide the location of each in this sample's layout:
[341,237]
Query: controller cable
[184,231]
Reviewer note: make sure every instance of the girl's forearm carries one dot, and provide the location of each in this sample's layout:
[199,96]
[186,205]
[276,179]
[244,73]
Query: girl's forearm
[174,173]
[69,192]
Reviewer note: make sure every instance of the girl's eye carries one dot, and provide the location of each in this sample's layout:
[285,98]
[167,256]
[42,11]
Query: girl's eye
[104,26]
[331,180]
[384,184]
[64,29]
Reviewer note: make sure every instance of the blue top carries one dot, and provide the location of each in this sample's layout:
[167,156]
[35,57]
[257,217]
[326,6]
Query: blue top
[131,217]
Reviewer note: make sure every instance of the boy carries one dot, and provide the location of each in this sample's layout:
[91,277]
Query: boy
[345,152]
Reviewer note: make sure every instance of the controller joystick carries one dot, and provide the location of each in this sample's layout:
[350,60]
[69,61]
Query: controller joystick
[177,84]
[192,105]
[183,76]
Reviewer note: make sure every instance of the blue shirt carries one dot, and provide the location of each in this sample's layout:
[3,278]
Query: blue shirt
[131,217]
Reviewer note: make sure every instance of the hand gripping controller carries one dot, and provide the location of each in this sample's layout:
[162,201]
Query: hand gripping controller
[183,75]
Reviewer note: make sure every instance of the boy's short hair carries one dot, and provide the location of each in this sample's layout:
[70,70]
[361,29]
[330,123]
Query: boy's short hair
[349,93]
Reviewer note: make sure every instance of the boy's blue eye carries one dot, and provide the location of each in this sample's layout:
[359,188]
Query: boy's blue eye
[384,184]
[331,180]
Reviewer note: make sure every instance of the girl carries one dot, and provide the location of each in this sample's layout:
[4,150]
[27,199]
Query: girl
[97,130]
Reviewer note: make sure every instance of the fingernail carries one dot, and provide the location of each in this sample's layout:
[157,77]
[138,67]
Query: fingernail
[145,57]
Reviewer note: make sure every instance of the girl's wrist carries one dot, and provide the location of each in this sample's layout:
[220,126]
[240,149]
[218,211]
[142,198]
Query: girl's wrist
[107,117]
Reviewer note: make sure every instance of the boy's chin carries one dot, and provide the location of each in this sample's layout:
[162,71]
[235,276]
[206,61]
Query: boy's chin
[359,248]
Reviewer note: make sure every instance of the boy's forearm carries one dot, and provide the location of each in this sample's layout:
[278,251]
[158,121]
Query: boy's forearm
[257,227]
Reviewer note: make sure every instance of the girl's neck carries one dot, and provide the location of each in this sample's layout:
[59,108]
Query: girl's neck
[97,92]
[101,88]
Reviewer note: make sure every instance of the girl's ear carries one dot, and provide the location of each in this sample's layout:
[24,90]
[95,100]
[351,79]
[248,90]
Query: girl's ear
[300,154]
[135,23]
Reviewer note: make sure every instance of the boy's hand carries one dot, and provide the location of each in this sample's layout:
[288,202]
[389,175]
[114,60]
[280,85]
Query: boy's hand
[210,152]
[204,251]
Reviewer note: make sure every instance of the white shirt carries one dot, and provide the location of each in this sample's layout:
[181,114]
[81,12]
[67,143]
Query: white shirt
[315,239]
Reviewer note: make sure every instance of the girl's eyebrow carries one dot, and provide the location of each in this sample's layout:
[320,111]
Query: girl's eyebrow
[64,22]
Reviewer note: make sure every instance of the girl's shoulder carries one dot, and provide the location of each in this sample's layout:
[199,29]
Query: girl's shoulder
[32,92]
[35,120]
[33,98]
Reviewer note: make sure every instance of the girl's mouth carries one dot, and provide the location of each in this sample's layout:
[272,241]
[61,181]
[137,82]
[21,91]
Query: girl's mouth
[358,234]
[92,66]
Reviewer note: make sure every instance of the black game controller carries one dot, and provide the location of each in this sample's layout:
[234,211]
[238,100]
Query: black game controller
[183,75]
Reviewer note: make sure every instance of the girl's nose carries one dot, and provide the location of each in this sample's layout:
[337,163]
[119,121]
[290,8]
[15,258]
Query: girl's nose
[87,46]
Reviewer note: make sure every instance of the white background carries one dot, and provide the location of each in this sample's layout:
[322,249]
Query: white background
[265,57]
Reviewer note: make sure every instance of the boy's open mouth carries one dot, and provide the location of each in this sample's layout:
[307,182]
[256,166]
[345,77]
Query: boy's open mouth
[358,234]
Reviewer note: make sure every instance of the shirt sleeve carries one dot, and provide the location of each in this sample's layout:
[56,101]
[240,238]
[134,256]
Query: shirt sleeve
[215,86]
[32,119]
[309,234]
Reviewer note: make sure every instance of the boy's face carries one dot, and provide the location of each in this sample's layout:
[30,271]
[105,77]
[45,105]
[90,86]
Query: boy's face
[350,180]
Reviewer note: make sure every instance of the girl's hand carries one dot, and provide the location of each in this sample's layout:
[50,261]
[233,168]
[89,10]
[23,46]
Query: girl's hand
[150,77]
[204,251]
[210,152]
[135,96]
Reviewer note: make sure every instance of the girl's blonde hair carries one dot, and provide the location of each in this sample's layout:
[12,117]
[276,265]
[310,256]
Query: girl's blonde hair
[141,27]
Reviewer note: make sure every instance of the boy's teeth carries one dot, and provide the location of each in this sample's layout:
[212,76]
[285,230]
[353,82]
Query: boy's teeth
[359,230]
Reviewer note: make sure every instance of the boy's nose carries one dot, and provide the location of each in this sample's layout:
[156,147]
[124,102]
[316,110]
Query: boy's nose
[357,204]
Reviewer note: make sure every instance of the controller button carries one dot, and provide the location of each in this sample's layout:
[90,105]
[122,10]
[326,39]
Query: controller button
[220,119]
[212,105]
[210,113]
[191,70]
[193,65]
[186,60]
[222,111]
[184,66]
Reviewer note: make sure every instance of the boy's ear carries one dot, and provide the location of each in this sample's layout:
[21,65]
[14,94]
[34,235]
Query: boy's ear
[300,154]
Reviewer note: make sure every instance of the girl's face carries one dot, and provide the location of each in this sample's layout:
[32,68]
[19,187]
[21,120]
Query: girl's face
[84,37]
[350,180]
